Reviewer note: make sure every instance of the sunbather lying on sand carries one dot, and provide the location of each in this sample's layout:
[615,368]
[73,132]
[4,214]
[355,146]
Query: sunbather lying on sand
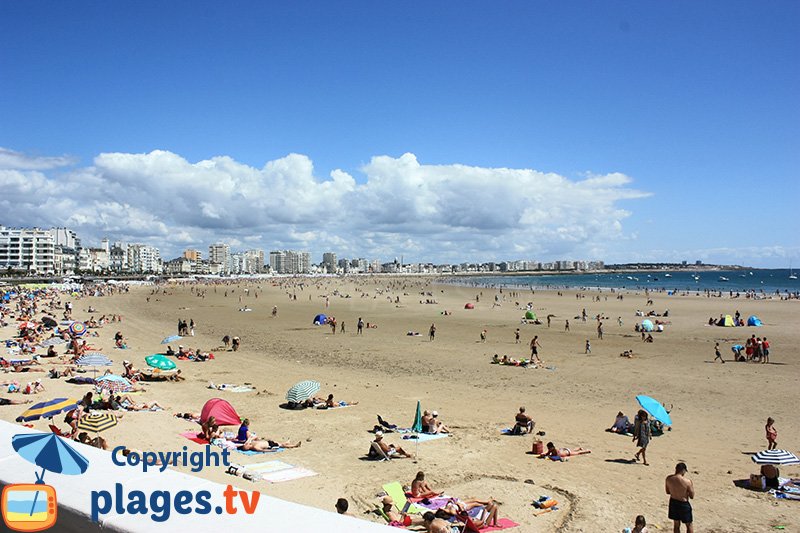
[266,445]
[562,453]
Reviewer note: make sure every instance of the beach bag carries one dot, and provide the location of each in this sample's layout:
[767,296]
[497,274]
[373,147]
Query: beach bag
[538,447]
[758,482]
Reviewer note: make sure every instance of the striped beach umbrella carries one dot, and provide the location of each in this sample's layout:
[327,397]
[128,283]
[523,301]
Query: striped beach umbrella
[97,422]
[160,362]
[775,457]
[113,384]
[48,409]
[50,452]
[302,391]
[77,328]
[94,359]
[52,341]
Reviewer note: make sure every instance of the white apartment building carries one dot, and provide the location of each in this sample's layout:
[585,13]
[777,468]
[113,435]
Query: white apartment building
[27,249]
[220,253]
[143,258]
[290,262]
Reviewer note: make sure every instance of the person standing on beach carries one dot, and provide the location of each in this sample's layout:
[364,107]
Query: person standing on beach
[718,355]
[772,434]
[588,347]
[191,327]
[600,330]
[765,354]
[432,332]
[360,326]
[642,434]
[566,325]
[548,321]
[680,490]
[535,348]
[516,336]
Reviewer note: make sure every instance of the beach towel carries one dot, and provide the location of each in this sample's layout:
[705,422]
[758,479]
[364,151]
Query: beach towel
[289,474]
[232,388]
[192,436]
[268,466]
[395,490]
[425,437]
[253,452]
[503,523]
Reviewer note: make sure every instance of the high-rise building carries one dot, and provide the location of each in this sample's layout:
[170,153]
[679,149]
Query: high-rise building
[290,262]
[192,255]
[27,249]
[329,262]
[220,253]
[144,258]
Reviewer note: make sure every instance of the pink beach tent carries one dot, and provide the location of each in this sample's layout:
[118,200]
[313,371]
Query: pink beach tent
[223,411]
[469,306]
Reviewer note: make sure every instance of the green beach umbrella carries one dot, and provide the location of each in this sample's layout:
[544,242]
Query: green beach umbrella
[160,362]
[417,427]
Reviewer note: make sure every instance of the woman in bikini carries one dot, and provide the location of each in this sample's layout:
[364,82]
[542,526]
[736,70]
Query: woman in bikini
[562,453]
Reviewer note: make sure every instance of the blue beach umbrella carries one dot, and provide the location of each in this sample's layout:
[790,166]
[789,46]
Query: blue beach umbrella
[48,409]
[171,338]
[52,453]
[655,409]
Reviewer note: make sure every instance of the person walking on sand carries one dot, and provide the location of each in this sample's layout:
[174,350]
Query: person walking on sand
[718,355]
[516,336]
[600,330]
[642,434]
[360,326]
[566,325]
[483,336]
[535,348]
[680,490]
[191,327]
[588,347]
[772,434]
[432,332]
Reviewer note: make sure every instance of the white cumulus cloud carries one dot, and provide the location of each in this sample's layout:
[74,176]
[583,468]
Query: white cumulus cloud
[396,206]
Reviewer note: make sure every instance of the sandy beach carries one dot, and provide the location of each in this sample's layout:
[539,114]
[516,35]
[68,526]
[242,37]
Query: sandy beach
[719,410]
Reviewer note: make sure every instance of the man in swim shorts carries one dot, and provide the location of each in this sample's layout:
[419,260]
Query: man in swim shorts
[680,490]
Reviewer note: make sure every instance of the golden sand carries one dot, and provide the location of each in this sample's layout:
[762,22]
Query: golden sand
[719,409]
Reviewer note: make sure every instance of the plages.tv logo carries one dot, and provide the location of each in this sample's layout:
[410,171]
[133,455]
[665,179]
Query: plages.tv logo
[34,507]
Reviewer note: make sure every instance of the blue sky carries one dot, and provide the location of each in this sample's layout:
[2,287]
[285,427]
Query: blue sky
[686,113]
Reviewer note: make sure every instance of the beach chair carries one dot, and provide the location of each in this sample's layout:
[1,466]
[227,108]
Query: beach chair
[57,431]
[375,452]
[395,490]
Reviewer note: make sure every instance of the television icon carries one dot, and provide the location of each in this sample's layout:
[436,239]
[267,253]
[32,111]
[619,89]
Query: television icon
[29,507]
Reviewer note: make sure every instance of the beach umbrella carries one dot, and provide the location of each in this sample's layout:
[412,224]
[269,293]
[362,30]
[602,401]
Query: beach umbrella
[94,360]
[48,409]
[52,341]
[160,362]
[302,391]
[97,422]
[775,457]
[113,384]
[77,328]
[655,409]
[416,427]
[647,325]
[171,338]
[49,322]
[50,452]
[27,325]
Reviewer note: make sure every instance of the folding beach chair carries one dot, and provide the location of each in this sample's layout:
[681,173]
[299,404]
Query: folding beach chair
[375,452]
[395,490]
